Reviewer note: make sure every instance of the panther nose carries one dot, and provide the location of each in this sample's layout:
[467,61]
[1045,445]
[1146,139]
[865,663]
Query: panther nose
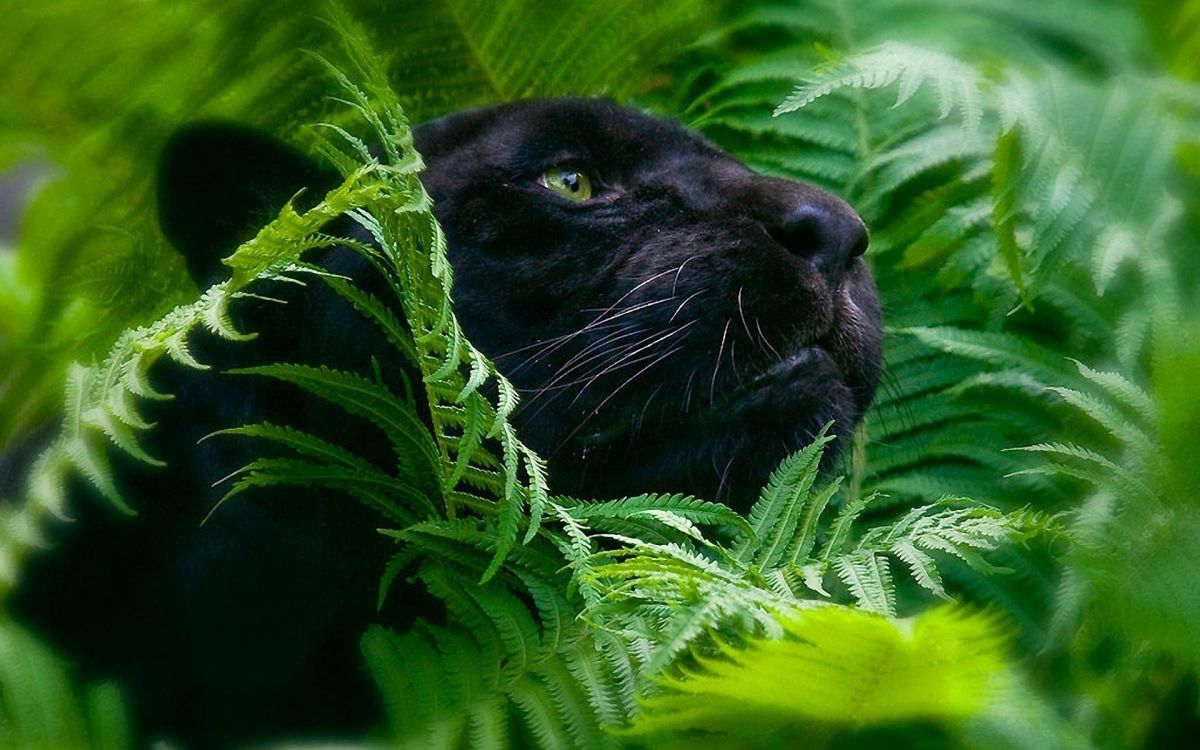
[829,236]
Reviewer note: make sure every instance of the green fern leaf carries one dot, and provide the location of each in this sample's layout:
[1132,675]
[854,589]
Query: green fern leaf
[806,533]
[1001,349]
[42,709]
[774,517]
[921,565]
[364,398]
[1007,163]
[511,506]
[869,579]
[375,310]
[395,499]
[487,727]
[844,666]
[956,85]
[839,530]
[686,506]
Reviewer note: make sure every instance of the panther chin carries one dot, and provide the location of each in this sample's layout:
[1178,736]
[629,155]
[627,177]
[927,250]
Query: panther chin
[781,386]
[725,449]
[674,321]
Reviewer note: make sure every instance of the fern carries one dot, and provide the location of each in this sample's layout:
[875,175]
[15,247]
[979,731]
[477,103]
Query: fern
[653,602]
[718,586]
[775,517]
[41,709]
[501,658]
[847,667]
[956,86]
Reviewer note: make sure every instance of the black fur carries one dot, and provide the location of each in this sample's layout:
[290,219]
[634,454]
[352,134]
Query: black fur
[753,284]
[683,330]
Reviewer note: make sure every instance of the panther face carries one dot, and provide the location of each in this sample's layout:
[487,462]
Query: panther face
[674,321]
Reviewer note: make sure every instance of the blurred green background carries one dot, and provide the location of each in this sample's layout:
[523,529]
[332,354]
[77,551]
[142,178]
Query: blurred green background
[1029,170]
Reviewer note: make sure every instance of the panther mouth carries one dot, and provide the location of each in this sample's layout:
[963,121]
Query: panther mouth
[789,379]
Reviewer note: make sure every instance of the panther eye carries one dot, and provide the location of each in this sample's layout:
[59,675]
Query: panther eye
[569,183]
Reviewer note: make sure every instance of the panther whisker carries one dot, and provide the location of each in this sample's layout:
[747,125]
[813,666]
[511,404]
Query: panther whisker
[625,360]
[690,297]
[742,313]
[550,349]
[566,341]
[679,270]
[633,377]
[733,362]
[624,296]
[598,323]
[712,387]
[576,362]
[650,399]
[723,476]
[536,344]
[596,410]
[766,343]
[900,405]
[687,392]
[603,319]
[630,310]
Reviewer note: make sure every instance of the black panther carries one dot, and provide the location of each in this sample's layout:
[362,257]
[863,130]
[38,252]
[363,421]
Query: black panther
[674,321]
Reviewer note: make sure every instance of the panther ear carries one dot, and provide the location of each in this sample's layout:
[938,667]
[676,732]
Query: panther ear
[218,183]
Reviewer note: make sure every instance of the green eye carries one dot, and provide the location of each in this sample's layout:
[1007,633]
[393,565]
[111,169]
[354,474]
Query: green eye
[568,183]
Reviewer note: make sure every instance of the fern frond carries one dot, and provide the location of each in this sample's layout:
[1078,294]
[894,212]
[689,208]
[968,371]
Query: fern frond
[956,85]
[685,506]
[1121,390]
[1005,350]
[774,517]
[869,579]
[845,666]
[365,398]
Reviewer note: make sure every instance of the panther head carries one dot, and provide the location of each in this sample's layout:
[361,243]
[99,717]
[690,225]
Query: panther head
[674,321]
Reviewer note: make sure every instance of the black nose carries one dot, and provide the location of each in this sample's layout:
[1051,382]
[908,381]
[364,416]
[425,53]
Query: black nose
[830,236]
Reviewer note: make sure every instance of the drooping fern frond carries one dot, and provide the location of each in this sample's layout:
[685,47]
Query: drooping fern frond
[413,249]
[101,399]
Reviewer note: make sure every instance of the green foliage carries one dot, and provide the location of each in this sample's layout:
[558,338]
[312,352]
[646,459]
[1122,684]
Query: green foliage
[93,110]
[100,402]
[1026,170]
[40,709]
[462,53]
[847,667]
